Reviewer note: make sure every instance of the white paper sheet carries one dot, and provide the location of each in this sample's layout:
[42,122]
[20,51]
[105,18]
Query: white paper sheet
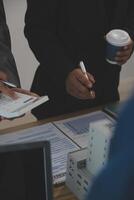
[77,128]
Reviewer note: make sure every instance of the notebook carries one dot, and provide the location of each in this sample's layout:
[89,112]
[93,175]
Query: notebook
[12,108]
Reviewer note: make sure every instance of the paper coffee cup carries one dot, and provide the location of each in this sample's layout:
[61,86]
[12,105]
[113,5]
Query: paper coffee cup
[116,39]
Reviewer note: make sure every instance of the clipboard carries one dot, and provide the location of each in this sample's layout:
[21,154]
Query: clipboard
[10,108]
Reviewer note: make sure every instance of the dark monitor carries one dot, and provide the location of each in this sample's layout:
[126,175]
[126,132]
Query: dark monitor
[25,171]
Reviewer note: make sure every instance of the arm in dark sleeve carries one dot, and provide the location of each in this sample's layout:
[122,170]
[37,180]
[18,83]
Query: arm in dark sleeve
[7,62]
[41,31]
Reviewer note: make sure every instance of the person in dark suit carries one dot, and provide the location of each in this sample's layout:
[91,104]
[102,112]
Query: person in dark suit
[116,181]
[7,62]
[11,165]
[8,70]
[62,33]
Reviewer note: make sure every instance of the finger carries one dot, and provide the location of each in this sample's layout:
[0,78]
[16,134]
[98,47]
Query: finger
[3,76]
[75,88]
[9,93]
[129,46]
[84,81]
[92,94]
[24,91]
[78,88]
[128,49]
[120,59]
[80,91]
[123,53]
[88,95]
[5,90]
[122,62]
[85,96]
[91,77]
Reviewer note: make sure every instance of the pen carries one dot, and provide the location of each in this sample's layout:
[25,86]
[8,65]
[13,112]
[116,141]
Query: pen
[8,84]
[83,69]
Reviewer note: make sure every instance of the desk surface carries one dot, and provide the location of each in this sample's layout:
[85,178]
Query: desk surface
[61,192]
[32,124]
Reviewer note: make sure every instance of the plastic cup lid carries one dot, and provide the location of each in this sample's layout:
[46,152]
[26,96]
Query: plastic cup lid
[118,37]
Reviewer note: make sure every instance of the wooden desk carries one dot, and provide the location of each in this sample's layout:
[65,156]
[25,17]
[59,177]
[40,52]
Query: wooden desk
[29,125]
[61,192]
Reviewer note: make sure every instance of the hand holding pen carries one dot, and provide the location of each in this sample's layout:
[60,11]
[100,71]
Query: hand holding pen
[79,84]
[90,78]
[10,89]
[5,87]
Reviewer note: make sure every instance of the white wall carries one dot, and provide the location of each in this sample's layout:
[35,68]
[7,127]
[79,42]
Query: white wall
[26,63]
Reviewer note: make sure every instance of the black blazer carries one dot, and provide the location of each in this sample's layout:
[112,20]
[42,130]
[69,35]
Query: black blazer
[61,33]
[7,62]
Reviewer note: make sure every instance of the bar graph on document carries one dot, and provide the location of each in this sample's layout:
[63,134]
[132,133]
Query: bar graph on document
[77,128]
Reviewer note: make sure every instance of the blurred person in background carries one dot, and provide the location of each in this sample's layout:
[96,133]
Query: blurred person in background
[116,181]
[8,70]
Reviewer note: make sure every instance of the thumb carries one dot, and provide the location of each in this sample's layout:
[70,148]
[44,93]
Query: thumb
[3,76]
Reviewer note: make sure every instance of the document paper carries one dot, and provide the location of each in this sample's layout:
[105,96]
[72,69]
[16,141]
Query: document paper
[77,128]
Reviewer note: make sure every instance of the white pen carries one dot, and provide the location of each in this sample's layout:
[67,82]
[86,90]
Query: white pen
[83,69]
[8,84]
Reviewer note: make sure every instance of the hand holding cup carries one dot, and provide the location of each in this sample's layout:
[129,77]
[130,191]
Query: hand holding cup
[118,47]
